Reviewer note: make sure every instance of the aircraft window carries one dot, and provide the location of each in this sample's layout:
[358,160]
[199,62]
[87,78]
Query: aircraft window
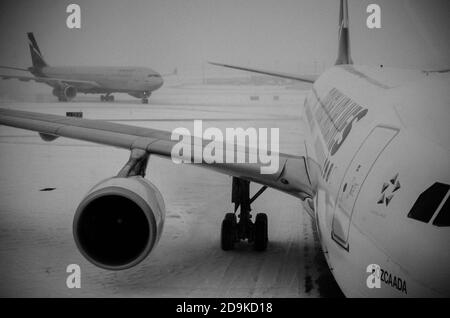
[443,218]
[428,201]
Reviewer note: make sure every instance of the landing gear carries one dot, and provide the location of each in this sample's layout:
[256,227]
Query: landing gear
[145,96]
[107,98]
[62,99]
[261,236]
[229,232]
[234,231]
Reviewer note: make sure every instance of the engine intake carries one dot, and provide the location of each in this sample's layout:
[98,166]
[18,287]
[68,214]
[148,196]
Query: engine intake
[69,92]
[65,92]
[119,222]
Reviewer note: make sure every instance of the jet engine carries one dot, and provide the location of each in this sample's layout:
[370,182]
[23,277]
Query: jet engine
[119,222]
[69,92]
[47,137]
[65,93]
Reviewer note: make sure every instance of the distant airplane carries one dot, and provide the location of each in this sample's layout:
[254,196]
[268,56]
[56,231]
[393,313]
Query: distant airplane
[67,81]
[374,177]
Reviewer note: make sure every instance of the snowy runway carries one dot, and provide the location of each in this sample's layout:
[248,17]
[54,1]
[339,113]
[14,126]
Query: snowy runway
[36,242]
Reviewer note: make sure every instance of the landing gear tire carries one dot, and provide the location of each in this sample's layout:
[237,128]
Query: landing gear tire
[102,98]
[62,99]
[145,100]
[261,232]
[228,232]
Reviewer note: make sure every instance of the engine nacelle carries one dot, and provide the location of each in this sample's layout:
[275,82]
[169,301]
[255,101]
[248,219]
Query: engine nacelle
[69,92]
[47,137]
[119,222]
[65,92]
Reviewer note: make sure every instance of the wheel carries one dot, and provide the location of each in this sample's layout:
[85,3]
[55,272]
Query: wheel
[261,235]
[145,101]
[228,232]
[102,98]
[109,98]
[62,99]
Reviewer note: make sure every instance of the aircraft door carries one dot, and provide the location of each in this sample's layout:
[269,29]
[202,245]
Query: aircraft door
[354,178]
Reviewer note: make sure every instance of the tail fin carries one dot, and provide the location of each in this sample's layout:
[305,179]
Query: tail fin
[344,56]
[36,55]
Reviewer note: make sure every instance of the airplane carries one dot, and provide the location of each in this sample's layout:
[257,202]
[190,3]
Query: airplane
[374,177]
[67,81]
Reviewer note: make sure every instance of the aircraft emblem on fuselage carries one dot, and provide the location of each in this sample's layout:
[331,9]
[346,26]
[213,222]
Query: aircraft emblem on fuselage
[388,190]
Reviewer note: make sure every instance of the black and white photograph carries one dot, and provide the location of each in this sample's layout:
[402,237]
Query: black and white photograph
[241,150]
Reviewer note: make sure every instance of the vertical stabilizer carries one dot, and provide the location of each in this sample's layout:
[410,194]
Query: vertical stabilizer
[344,56]
[36,55]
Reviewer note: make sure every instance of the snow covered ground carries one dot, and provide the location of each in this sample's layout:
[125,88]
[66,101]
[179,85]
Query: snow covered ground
[36,242]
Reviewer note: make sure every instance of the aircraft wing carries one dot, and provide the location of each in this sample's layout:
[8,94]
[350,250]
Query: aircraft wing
[302,78]
[437,71]
[296,175]
[52,81]
[14,68]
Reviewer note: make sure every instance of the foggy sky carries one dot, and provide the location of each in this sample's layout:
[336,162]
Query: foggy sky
[285,35]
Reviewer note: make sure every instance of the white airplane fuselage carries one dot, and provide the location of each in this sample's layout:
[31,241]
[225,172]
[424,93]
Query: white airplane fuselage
[381,138]
[109,79]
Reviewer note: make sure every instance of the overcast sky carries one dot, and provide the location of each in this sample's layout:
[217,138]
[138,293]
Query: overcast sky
[288,35]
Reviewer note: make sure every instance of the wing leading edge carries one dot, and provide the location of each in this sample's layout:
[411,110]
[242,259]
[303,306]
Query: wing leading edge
[302,78]
[53,81]
[296,175]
